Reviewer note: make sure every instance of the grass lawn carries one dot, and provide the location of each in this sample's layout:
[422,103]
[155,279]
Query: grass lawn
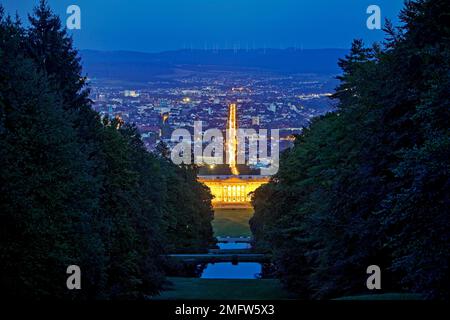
[232,222]
[385,296]
[221,289]
[248,289]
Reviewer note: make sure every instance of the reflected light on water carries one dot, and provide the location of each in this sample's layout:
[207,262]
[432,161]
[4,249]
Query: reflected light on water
[226,270]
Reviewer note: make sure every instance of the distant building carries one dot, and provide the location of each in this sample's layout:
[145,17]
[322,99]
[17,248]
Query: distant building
[131,93]
[166,130]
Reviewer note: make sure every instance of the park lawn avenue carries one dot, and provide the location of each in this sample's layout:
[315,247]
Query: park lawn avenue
[223,289]
[232,222]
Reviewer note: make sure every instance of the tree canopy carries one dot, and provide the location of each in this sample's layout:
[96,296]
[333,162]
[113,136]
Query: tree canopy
[368,183]
[78,189]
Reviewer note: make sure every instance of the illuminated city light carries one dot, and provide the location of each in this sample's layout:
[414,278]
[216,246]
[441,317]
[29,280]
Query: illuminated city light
[232,145]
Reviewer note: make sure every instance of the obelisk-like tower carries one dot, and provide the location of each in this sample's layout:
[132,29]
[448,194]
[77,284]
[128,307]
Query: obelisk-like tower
[232,143]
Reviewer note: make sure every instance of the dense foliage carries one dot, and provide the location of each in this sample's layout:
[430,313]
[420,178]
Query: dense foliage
[78,189]
[368,183]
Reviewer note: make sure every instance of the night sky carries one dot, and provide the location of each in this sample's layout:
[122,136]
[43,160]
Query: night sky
[157,25]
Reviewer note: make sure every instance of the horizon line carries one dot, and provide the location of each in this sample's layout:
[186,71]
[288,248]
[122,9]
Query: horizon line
[212,50]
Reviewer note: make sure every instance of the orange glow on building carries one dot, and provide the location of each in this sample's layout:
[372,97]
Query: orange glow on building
[232,191]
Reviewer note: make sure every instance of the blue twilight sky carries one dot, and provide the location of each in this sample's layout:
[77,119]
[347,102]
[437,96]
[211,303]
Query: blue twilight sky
[157,25]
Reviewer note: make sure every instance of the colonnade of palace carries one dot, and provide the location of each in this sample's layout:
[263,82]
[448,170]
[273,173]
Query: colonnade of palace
[233,193]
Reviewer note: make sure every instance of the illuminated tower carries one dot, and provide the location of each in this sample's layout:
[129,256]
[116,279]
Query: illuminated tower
[232,143]
[165,130]
[232,191]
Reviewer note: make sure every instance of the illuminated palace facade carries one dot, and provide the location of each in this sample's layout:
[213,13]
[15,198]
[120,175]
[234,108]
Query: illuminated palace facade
[232,191]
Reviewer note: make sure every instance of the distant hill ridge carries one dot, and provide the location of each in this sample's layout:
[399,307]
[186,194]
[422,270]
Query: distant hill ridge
[139,66]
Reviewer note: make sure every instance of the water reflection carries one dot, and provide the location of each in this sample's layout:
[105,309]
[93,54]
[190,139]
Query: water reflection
[228,270]
[233,245]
